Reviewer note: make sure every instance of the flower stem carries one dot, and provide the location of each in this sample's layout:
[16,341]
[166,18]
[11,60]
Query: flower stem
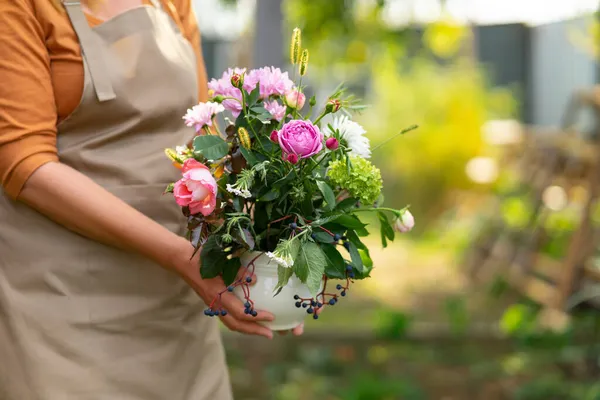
[323,114]
[373,209]
[402,132]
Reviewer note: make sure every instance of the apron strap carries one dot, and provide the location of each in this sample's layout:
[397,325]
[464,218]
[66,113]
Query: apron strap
[91,49]
[156,4]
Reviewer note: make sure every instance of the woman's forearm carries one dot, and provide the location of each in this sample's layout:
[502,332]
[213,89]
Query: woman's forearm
[75,201]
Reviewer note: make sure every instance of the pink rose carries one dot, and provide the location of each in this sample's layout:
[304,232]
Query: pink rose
[295,99]
[197,189]
[301,138]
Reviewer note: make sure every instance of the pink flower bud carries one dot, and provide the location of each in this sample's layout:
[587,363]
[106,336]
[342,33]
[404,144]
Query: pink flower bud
[295,99]
[292,158]
[333,106]
[274,137]
[405,223]
[237,80]
[332,143]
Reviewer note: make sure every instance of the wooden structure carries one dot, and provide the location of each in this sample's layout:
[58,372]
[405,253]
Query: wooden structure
[556,171]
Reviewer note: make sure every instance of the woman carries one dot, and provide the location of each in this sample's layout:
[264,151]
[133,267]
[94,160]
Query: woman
[98,296]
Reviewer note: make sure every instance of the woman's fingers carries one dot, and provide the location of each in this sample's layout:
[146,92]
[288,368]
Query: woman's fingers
[299,330]
[236,308]
[246,327]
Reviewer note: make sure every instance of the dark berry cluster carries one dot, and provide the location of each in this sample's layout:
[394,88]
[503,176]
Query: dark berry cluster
[215,313]
[249,309]
[322,299]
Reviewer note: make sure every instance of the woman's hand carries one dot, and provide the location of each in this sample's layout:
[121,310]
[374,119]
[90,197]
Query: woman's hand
[236,320]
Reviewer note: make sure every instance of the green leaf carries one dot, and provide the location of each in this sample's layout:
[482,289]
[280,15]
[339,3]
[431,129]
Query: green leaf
[325,220]
[214,259]
[238,204]
[362,232]
[328,194]
[323,237]
[261,113]
[265,142]
[243,236]
[353,237]
[169,188]
[288,178]
[365,256]
[269,210]
[283,276]
[230,270]
[309,266]
[294,247]
[254,95]
[306,206]
[211,147]
[346,204]
[387,232]
[355,256]
[349,221]
[336,266]
[249,156]
[270,195]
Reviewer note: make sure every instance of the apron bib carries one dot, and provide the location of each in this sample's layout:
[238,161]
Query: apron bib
[80,320]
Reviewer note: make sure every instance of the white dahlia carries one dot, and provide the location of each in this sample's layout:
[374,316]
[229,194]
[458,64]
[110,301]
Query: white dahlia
[352,134]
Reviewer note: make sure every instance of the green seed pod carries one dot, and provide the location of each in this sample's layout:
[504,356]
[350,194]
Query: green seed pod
[295,46]
[303,62]
[244,138]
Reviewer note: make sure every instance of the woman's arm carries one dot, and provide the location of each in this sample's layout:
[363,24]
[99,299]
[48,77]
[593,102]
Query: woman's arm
[75,201]
[78,203]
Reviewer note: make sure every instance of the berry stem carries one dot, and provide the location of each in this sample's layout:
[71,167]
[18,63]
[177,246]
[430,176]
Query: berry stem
[327,231]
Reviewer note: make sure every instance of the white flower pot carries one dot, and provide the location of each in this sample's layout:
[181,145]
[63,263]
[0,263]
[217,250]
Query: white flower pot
[282,306]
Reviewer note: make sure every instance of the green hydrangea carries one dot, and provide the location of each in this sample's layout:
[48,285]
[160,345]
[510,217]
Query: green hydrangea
[362,180]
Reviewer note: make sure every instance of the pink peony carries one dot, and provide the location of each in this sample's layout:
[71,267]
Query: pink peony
[201,115]
[301,138]
[197,189]
[295,99]
[277,110]
[273,82]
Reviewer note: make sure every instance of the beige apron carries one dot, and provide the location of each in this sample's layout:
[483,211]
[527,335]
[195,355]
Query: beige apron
[80,320]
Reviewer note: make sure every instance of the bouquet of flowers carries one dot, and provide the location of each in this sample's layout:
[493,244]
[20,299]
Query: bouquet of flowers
[281,185]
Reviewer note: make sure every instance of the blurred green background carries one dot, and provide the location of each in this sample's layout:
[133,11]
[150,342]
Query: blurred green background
[474,75]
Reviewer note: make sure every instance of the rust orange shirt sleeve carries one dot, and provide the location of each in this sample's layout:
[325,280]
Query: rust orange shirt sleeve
[27,107]
[190,30]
